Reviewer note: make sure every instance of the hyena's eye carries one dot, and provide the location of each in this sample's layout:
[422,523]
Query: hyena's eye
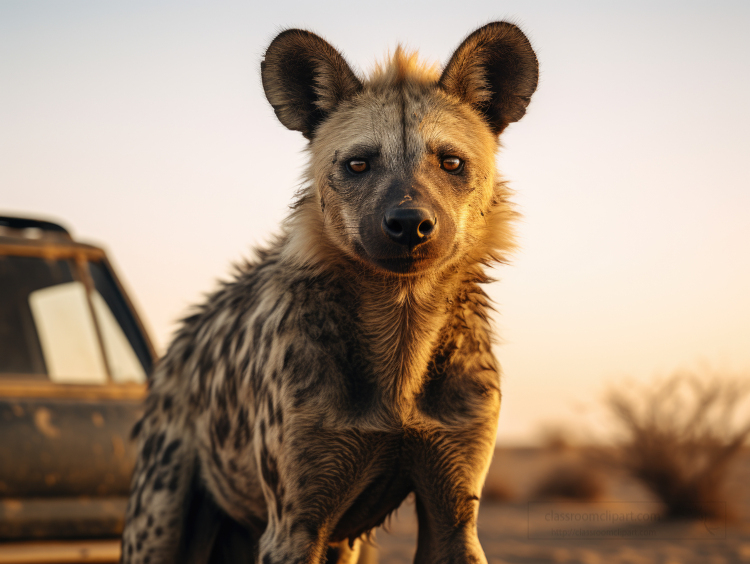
[358,166]
[452,164]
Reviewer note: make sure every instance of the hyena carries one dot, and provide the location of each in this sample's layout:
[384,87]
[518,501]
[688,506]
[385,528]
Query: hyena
[349,364]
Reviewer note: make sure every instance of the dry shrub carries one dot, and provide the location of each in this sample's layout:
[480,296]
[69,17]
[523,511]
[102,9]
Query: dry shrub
[555,437]
[576,482]
[496,490]
[680,440]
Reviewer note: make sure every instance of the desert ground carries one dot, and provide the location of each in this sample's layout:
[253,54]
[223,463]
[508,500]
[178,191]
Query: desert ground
[513,518]
[516,531]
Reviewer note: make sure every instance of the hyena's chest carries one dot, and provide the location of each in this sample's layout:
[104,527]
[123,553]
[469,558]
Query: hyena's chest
[308,411]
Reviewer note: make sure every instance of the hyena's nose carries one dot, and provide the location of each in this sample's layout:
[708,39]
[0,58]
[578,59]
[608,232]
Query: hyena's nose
[409,226]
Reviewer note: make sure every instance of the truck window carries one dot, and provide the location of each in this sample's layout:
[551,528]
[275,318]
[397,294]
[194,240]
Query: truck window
[20,349]
[124,340]
[67,334]
[123,362]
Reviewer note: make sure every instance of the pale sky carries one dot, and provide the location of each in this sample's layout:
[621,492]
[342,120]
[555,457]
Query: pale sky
[143,127]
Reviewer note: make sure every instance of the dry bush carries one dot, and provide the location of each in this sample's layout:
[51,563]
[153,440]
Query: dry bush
[555,437]
[577,482]
[680,440]
[497,490]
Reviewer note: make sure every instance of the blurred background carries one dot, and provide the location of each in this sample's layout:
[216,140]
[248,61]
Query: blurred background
[143,126]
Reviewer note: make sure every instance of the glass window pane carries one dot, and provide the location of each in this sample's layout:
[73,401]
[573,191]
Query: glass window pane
[123,362]
[108,290]
[20,350]
[67,334]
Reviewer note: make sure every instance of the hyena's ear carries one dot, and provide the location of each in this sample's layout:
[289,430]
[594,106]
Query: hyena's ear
[305,79]
[494,70]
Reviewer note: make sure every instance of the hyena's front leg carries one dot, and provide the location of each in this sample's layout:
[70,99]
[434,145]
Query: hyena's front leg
[160,486]
[343,552]
[308,485]
[449,473]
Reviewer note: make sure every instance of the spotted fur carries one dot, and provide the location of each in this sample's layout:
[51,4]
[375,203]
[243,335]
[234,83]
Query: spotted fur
[343,368]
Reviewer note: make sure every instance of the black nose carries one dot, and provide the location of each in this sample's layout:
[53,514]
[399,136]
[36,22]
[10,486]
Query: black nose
[409,226]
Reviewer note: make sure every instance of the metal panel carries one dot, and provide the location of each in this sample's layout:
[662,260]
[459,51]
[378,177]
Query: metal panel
[61,518]
[61,447]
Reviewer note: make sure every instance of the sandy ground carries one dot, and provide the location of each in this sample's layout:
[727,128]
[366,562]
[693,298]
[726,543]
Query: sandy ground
[522,531]
[521,528]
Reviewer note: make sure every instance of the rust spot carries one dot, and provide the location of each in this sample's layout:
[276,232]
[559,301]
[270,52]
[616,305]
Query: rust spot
[118,447]
[97,419]
[17,410]
[50,479]
[42,417]
[11,506]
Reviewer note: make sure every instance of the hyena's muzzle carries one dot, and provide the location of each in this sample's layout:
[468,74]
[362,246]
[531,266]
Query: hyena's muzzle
[408,231]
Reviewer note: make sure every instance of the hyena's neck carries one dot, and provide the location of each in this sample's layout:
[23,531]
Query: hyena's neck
[402,322]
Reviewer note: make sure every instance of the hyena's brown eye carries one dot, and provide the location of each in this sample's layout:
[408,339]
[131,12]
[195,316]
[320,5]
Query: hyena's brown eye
[452,164]
[358,166]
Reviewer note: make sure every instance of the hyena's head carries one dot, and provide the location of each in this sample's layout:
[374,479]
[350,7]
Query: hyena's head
[403,163]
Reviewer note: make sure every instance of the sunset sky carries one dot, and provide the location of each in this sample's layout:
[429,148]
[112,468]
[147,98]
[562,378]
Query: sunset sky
[143,127]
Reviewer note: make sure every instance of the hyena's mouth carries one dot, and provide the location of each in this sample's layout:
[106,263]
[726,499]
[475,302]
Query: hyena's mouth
[406,261]
[406,264]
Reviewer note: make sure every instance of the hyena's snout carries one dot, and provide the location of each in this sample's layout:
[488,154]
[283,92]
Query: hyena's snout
[409,226]
[409,233]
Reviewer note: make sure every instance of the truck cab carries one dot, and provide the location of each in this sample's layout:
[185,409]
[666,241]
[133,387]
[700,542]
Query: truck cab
[74,362]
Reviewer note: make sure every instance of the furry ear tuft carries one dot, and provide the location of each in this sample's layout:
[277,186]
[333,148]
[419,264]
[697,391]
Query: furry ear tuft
[494,70]
[305,78]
